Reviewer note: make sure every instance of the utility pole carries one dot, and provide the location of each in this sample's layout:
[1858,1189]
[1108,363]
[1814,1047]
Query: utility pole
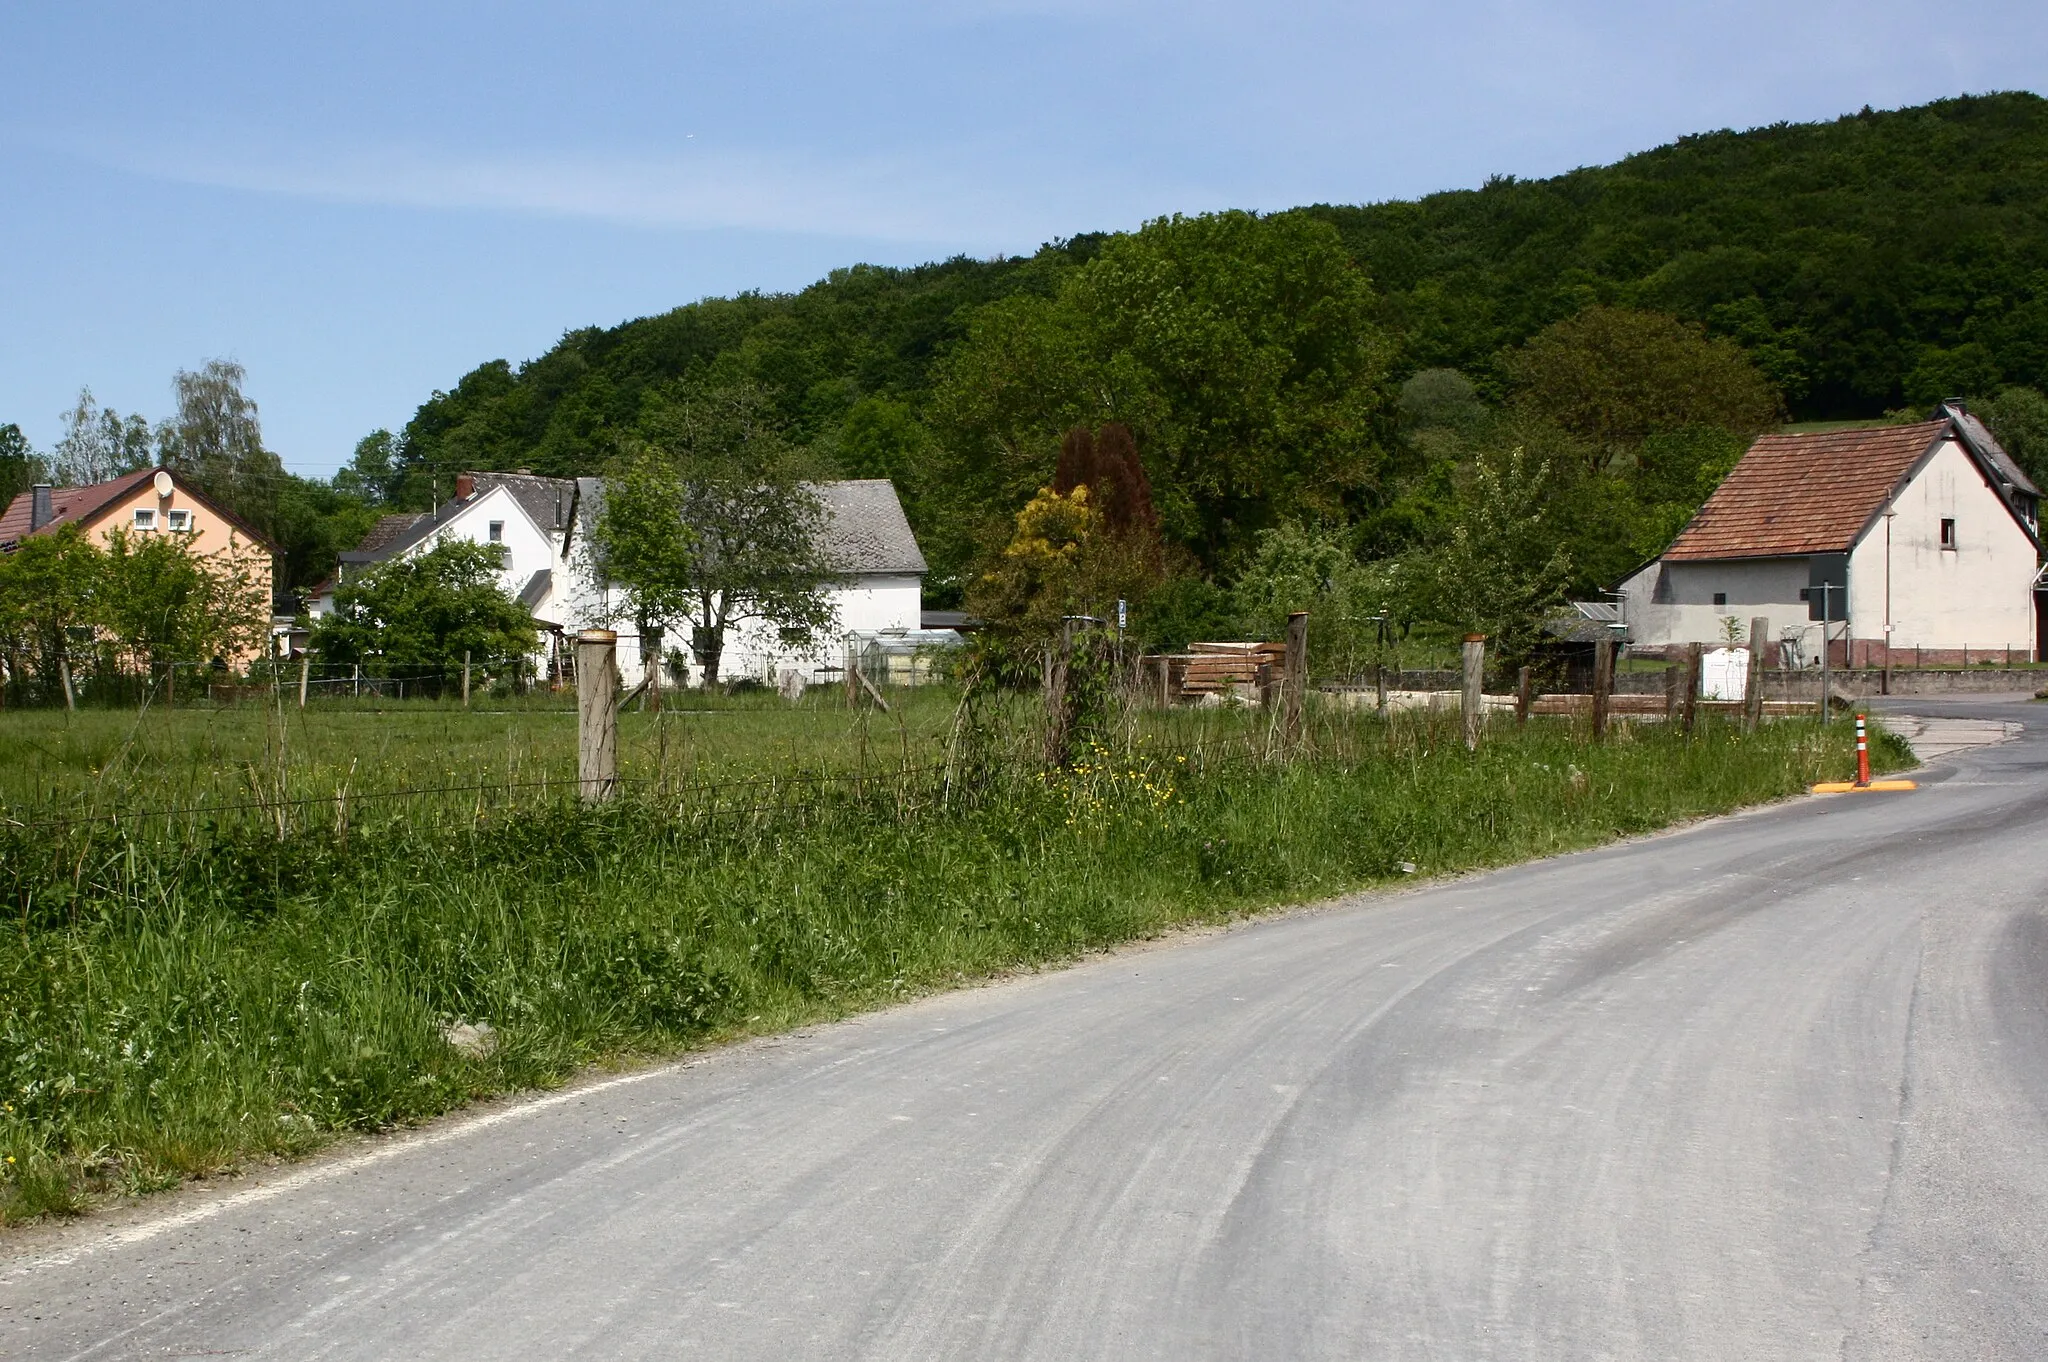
[1753,698]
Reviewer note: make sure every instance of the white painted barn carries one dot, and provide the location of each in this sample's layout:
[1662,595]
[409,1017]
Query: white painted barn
[1939,526]
[544,526]
[879,593]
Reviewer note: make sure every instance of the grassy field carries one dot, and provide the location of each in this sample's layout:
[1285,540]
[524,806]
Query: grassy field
[184,994]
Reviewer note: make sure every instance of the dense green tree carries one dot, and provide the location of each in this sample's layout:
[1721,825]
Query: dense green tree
[426,613]
[1614,378]
[372,473]
[50,587]
[1239,348]
[160,602]
[2018,418]
[20,466]
[1500,568]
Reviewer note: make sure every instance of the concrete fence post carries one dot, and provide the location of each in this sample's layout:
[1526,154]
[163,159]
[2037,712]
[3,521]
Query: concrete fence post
[597,714]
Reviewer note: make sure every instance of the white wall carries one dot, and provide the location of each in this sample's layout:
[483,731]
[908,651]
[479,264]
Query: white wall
[873,603]
[1680,608]
[1978,595]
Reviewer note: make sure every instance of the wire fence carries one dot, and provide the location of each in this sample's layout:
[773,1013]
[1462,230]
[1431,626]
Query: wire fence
[907,786]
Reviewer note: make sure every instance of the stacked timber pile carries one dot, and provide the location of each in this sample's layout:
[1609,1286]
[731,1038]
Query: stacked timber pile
[1215,668]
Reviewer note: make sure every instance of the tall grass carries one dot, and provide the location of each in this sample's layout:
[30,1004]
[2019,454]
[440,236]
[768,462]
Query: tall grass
[178,999]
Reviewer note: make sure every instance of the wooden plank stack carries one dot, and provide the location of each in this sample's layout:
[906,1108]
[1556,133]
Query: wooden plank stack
[1219,668]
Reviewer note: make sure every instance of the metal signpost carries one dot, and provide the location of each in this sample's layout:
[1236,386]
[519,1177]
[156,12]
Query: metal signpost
[1827,600]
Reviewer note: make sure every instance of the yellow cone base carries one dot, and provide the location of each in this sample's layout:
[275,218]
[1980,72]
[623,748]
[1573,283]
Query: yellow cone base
[1851,787]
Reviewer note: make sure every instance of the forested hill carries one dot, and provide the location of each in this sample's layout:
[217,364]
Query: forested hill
[1864,264]
[1880,258]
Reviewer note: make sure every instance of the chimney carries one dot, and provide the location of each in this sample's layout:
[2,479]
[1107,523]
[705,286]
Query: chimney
[465,486]
[39,513]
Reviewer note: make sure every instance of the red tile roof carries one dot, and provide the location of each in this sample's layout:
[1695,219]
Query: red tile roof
[1800,494]
[68,504]
[82,505]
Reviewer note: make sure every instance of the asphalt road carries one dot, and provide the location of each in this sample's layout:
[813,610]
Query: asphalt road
[1773,1087]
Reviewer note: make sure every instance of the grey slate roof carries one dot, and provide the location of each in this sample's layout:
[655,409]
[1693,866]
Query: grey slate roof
[546,500]
[1987,448]
[388,531]
[865,530]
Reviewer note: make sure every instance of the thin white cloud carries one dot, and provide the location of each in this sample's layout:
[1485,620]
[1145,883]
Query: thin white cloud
[880,198]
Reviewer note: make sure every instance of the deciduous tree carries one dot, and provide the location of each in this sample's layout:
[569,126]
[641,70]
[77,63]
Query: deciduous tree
[711,519]
[426,613]
[1614,378]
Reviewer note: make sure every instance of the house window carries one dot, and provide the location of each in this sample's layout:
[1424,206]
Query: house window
[1805,594]
[145,519]
[1948,534]
[497,531]
[177,520]
[1720,598]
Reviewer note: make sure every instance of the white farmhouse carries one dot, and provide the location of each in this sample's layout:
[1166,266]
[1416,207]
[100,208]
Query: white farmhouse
[877,600]
[525,515]
[1939,526]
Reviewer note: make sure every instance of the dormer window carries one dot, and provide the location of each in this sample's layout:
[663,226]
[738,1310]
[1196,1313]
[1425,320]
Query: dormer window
[177,520]
[145,518]
[497,531]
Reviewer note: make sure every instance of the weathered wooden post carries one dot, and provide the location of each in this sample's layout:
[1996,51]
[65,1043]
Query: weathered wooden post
[305,669]
[1296,681]
[650,656]
[1753,697]
[597,714]
[1525,695]
[1473,700]
[465,678]
[1692,685]
[1603,682]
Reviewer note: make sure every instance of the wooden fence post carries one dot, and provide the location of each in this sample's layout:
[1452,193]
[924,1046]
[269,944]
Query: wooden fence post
[1603,681]
[1296,682]
[1473,699]
[650,657]
[1692,685]
[465,678]
[597,714]
[1525,695]
[1753,698]
[305,668]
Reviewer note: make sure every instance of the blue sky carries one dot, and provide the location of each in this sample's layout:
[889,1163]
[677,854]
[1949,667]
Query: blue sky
[360,202]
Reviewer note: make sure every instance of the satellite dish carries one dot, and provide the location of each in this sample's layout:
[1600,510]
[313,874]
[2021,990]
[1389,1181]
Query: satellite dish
[163,483]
